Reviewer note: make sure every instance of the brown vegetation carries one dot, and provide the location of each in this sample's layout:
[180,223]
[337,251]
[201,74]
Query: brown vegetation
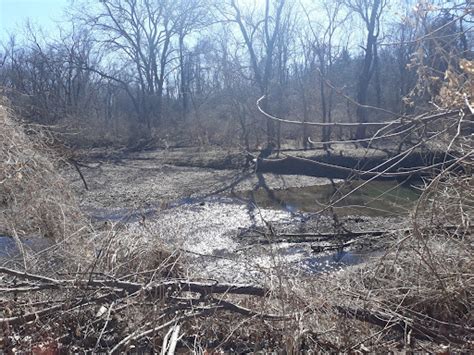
[35,199]
[116,290]
[108,287]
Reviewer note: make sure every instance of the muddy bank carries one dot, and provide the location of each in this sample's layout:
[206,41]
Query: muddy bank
[216,218]
[339,162]
[148,179]
[157,178]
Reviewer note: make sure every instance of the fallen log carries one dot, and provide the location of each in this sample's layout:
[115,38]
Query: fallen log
[344,167]
[261,238]
[205,288]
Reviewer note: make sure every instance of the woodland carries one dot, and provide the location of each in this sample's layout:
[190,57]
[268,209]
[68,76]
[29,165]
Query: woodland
[237,176]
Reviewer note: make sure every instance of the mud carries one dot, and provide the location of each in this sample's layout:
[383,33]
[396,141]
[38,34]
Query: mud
[159,178]
[210,214]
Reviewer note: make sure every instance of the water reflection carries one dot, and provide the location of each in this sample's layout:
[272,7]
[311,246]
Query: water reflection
[377,198]
[9,248]
[332,262]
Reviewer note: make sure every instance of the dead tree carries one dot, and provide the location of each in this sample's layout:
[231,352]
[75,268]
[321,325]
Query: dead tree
[139,33]
[267,28]
[370,12]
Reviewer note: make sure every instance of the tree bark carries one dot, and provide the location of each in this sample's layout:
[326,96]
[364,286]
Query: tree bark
[367,70]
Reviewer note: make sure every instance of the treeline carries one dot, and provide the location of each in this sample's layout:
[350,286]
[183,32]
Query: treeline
[191,71]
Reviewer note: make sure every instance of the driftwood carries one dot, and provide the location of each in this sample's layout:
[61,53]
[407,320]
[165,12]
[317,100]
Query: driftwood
[261,238]
[177,301]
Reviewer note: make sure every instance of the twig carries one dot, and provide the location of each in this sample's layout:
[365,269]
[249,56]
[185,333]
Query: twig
[468,104]
[248,312]
[76,165]
[107,318]
[156,287]
[25,275]
[323,124]
[30,316]
[135,336]
[175,337]
[355,124]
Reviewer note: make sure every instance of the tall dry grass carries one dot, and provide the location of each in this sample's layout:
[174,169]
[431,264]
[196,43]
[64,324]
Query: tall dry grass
[34,198]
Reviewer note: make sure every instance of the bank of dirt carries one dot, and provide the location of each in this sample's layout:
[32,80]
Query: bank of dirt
[219,217]
[154,221]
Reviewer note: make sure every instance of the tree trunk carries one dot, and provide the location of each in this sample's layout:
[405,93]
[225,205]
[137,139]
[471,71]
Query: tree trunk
[366,73]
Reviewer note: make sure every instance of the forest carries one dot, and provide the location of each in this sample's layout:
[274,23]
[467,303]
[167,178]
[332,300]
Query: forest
[238,176]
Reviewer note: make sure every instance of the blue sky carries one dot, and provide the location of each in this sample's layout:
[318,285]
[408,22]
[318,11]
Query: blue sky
[14,13]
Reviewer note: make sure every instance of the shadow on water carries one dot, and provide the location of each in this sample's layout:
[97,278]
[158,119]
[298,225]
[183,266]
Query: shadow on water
[313,264]
[253,199]
[375,199]
[332,262]
[9,247]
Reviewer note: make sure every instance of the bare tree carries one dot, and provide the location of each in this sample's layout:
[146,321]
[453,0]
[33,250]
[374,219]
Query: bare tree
[370,12]
[139,33]
[193,16]
[403,34]
[325,49]
[48,74]
[260,36]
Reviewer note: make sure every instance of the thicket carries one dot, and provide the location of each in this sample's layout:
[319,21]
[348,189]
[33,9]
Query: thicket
[35,199]
[113,290]
[189,72]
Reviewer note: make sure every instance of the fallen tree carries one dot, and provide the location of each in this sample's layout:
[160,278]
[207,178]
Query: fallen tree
[344,167]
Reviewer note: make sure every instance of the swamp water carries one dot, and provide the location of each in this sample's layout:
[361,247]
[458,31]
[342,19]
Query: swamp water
[9,247]
[374,199]
[207,230]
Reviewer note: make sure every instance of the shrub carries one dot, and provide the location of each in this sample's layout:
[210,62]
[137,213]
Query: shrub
[34,198]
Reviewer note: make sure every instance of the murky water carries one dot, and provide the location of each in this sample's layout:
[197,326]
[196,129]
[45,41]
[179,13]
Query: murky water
[208,233]
[207,229]
[9,248]
[334,261]
[377,198]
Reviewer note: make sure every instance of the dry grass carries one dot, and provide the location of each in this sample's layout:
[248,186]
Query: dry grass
[106,282]
[426,283]
[34,198]
[423,284]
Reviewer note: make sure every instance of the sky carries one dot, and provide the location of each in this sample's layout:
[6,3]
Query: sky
[14,13]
